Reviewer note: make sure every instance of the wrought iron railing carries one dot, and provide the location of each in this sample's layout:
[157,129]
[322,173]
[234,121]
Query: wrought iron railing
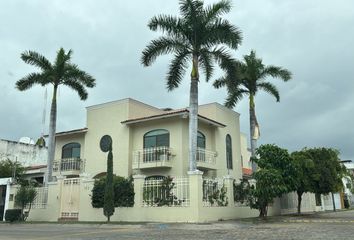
[41,199]
[151,155]
[214,193]
[168,191]
[69,164]
[206,156]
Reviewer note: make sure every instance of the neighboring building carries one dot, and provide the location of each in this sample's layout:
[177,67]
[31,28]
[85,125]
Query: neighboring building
[245,157]
[347,181]
[29,155]
[24,153]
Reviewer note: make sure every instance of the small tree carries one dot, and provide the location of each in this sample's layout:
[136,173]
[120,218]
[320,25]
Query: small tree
[305,174]
[275,177]
[108,207]
[328,172]
[25,196]
[269,185]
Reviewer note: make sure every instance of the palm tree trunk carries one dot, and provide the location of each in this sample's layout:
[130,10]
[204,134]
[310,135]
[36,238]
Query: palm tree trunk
[51,137]
[253,123]
[193,115]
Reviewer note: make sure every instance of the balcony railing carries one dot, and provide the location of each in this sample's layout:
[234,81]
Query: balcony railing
[69,165]
[206,158]
[152,157]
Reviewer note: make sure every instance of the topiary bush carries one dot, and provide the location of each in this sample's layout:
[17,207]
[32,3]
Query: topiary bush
[13,215]
[123,192]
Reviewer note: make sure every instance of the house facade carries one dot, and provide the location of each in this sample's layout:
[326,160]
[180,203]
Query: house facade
[152,142]
[149,144]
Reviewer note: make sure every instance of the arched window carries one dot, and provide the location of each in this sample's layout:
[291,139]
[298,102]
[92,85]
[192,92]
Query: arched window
[228,152]
[200,140]
[71,150]
[157,138]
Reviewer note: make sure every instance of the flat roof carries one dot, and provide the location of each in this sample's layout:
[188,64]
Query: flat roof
[35,167]
[74,131]
[169,114]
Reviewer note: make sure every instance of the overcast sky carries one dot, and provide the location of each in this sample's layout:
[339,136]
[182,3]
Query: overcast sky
[312,38]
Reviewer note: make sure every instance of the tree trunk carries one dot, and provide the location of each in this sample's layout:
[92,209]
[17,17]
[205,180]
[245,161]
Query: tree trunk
[253,124]
[51,137]
[334,204]
[263,211]
[193,115]
[299,199]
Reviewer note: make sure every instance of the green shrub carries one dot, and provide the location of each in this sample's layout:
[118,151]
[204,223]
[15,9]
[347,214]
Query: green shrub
[13,215]
[123,192]
[25,196]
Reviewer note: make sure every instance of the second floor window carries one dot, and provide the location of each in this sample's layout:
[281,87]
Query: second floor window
[71,150]
[157,138]
[228,152]
[200,140]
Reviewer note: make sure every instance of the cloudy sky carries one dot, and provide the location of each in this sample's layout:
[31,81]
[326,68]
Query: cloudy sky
[312,38]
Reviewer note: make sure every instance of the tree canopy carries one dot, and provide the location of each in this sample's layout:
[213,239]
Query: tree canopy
[274,177]
[199,38]
[61,72]
[328,170]
[8,168]
[245,79]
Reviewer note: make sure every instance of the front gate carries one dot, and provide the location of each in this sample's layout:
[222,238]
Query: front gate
[70,199]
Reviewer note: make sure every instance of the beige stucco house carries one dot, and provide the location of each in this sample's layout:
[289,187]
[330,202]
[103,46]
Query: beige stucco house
[152,142]
[149,144]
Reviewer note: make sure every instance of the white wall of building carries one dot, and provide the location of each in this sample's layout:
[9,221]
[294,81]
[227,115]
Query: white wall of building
[26,154]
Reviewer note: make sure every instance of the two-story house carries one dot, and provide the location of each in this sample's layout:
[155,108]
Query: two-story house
[151,141]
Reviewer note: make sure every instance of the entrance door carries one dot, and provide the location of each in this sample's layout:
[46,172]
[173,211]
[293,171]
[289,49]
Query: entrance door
[70,198]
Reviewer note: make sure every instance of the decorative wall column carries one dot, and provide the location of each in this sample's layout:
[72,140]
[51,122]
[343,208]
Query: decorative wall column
[229,184]
[195,193]
[138,190]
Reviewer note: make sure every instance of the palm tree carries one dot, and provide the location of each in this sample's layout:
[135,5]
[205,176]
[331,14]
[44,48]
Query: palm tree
[247,79]
[61,72]
[200,37]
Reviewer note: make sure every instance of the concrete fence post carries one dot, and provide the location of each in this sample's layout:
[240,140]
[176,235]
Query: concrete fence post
[229,184]
[138,190]
[195,193]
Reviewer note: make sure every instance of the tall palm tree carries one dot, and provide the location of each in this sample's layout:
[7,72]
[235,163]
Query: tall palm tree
[200,37]
[247,79]
[61,72]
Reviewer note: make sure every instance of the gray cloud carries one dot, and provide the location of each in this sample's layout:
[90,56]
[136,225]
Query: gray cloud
[314,39]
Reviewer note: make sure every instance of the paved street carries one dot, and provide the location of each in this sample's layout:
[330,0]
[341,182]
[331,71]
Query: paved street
[339,225]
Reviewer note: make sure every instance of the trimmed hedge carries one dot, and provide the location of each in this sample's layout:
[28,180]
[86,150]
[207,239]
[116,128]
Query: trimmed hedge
[13,215]
[123,192]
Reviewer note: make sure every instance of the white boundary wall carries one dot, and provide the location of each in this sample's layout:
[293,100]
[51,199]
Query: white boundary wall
[194,212]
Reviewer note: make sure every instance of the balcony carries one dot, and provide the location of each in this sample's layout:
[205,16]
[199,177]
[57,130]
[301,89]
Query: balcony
[206,159]
[68,166]
[156,157]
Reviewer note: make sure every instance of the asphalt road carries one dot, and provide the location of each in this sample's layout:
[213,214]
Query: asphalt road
[339,225]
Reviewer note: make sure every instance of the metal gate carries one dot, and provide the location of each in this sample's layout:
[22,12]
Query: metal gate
[70,198]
